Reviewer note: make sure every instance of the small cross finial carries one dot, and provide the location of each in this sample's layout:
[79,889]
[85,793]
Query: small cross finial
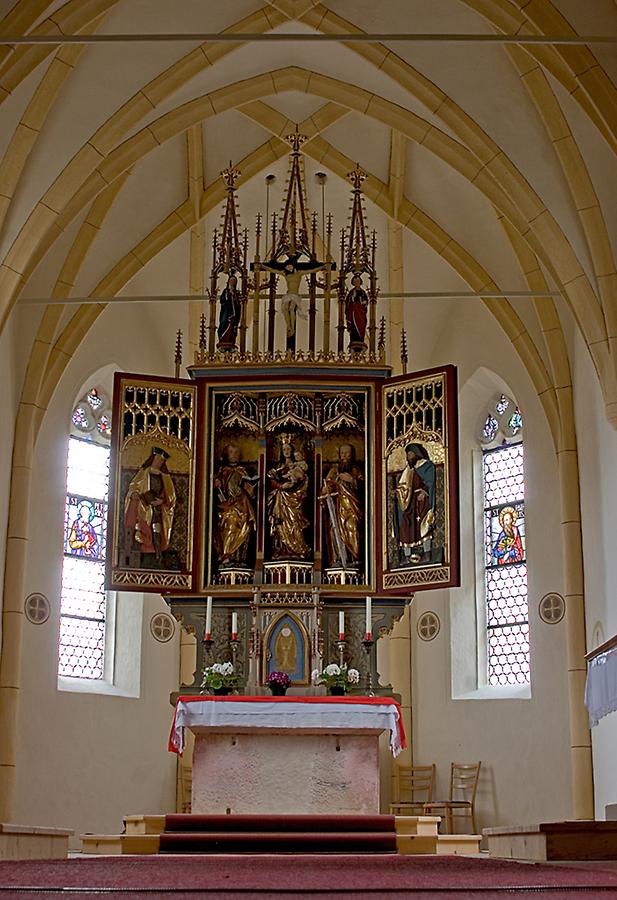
[357,177]
[230,175]
[296,140]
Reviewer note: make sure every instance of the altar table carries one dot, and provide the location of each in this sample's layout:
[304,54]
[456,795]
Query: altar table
[286,754]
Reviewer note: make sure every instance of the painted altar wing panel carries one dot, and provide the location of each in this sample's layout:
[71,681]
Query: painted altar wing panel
[153,474]
[419,488]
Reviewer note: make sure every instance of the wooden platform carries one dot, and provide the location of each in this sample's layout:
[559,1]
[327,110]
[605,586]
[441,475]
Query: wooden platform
[554,841]
[33,842]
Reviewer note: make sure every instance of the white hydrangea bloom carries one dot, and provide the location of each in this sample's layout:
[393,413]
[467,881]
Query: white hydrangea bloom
[315,674]
[353,676]
[332,669]
[227,669]
[219,668]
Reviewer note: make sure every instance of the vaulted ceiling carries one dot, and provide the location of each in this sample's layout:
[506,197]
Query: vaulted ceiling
[492,166]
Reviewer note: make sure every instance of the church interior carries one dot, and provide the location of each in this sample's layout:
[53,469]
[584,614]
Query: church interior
[308,337]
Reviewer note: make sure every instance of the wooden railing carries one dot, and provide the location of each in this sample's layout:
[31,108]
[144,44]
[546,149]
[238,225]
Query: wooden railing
[611,644]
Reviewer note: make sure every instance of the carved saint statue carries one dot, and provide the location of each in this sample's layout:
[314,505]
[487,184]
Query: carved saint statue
[149,506]
[415,494]
[229,315]
[356,308]
[236,519]
[342,496]
[286,501]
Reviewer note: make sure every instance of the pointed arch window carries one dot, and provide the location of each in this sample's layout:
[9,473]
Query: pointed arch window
[83,599]
[505,556]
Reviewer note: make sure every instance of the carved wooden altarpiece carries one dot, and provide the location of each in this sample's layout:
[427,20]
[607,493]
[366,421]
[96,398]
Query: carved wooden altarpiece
[287,484]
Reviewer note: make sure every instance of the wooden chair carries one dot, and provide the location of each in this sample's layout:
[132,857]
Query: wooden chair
[463,786]
[413,787]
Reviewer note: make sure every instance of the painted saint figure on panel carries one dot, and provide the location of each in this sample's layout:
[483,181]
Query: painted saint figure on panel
[415,494]
[149,506]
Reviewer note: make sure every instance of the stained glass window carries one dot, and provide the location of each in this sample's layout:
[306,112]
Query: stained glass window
[104,425]
[505,565]
[83,597]
[94,398]
[80,419]
[502,404]
[490,428]
[515,422]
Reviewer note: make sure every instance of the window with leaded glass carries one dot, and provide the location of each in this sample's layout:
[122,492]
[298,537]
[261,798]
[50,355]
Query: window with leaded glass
[505,564]
[83,598]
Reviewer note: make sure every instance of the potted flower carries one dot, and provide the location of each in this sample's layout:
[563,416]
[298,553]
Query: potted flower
[278,682]
[220,678]
[336,678]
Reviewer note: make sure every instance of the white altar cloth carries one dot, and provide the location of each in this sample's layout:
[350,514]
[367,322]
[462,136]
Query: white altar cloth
[333,714]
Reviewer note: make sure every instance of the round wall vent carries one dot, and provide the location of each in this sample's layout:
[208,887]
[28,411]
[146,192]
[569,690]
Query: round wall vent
[162,627]
[552,608]
[37,608]
[428,626]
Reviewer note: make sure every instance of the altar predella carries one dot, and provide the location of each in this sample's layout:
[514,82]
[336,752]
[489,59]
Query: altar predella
[292,480]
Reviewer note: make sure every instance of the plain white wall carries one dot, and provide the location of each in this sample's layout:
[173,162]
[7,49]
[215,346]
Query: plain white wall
[87,759]
[521,742]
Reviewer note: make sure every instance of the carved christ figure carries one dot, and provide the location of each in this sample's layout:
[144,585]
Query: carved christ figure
[291,304]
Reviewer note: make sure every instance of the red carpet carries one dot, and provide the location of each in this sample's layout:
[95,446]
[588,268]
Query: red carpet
[297,876]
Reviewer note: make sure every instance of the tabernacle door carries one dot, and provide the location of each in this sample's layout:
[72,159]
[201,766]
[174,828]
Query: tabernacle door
[419,484]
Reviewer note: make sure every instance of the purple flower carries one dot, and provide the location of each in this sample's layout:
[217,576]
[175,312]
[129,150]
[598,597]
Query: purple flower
[281,678]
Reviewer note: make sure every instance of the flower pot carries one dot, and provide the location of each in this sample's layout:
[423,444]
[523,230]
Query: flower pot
[222,691]
[337,691]
[277,690]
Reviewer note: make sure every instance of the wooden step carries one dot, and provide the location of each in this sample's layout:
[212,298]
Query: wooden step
[455,844]
[119,844]
[426,825]
[144,824]
[412,844]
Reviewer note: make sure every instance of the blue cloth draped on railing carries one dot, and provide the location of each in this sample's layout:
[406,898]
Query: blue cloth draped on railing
[601,686]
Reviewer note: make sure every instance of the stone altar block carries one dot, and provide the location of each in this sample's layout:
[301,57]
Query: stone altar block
[286,755]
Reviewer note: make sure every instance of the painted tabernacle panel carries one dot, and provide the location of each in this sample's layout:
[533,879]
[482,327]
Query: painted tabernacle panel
[153,485]
[420,481]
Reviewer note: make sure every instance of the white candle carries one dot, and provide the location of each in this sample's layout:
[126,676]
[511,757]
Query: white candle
[234,626]
[208,628]
[369,624]
[341,625]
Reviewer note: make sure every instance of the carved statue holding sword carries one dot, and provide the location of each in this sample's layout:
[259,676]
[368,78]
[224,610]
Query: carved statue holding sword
[341,493]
